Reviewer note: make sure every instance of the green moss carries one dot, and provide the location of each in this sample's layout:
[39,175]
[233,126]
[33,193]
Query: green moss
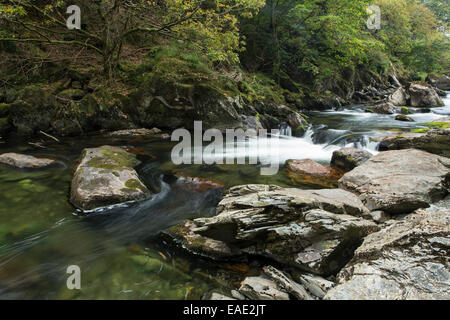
[3,121]
[404,110]
[113,159]
[437,125]
[420,130]
[133,184]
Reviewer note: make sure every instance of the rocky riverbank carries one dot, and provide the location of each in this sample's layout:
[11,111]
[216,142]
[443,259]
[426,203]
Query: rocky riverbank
[369,236]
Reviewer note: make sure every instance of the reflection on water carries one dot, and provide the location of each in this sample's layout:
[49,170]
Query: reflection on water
[116,248]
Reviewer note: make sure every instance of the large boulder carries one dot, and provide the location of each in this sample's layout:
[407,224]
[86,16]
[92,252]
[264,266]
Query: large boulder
[312,230]
[25,161]
[309,172]
[399,181]
[407,260]
[424,96]
[434,141]
[105,176]
[382,108]
[399,97]
[347,159]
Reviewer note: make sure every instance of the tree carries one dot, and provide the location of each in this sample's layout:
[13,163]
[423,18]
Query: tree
[108,24]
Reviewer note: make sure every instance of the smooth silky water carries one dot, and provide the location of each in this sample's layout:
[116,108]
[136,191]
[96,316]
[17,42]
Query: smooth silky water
[118,248]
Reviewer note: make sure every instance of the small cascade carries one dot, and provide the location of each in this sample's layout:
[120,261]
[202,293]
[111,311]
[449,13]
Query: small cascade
[285,129]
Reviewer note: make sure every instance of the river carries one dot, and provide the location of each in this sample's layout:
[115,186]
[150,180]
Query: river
[117,248]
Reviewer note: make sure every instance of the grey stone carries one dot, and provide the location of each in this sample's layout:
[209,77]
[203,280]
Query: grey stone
[105,176]
[25,161]
[407,260]
[399,181]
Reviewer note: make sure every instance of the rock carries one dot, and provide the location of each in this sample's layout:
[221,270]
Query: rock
[262,288]
[25,162]
[434,141]
[407,260]
[402,117]
[347,159]
[218,296]
[106,176]
[237,295]
[379,216]
[297,123]
[424,96]
[250,122]
[289,226]
[132,132]
[399,97]
[399,181]
[383,108]
[72,94]
[286,283]
[312,173]
[442,83]
[394,81]
[318,286]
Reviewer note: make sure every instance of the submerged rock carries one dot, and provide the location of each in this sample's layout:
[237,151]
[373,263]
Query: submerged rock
[424,96]
[290,226]
[347,159]
[25,161]
[407,260]
[312,173]
[106,176]
[399,181]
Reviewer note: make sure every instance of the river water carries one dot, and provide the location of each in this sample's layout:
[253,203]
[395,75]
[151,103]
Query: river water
[117,248]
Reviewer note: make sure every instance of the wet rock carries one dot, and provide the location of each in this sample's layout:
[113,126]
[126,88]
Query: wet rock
[434,141]
[407,260]
[424,96]
[106,176]
[442,83]
[286,283]
[399,97]
[250,122]
[312,173]
[399,181]
[290,226]
[402,117]
[347,159]
[262,288]
[383,108]
[135,132]
[25,162]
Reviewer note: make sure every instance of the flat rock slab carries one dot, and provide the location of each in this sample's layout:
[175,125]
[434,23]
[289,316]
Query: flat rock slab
[313,230]
[105,176]
[399,181]
[25,162]
[407,260]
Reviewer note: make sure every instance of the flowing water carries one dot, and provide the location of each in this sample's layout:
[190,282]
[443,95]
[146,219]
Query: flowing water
[118,248]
